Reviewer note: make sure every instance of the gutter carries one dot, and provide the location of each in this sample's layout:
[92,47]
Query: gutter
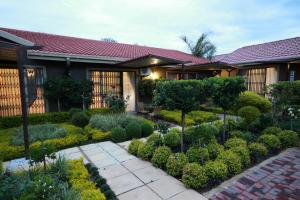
[38,55]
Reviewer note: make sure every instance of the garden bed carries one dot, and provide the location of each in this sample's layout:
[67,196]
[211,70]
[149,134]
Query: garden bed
[61,180]
[204,165]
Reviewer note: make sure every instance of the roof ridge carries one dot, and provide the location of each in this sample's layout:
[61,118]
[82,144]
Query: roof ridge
[264,43]
[82,38]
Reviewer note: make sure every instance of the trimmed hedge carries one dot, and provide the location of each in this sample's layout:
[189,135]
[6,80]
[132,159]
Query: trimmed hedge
[216,171]
[118,134]
[145,151]
[232,160]
[235,142]
[194,176]
[96,134]
[252,99]
[272,142]
[288,138]
[257,151]
[175,164]
[214,149]
[80,119]
[80,180]
[134,146]
[197,154]
[172,138]
[272,130]
[147,129]
[133,130]
[50,117]
[160,156]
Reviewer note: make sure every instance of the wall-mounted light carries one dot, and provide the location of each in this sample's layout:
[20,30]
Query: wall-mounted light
[153,75]
[30,73]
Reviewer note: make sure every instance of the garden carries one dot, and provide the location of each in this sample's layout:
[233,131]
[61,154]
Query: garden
[207,150]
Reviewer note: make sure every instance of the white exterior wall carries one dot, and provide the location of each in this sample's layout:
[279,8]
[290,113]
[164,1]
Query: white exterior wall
[129,90]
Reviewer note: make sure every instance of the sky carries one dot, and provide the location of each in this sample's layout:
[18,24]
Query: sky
[159,23]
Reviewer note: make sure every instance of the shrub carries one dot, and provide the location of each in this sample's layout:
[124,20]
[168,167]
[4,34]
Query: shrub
[249,113]
[96,134]
[1,167]
[175,116]
[106,122]
[194,176]
[288,138]
[33,119]
[94,111]
[243,153]
[196,154]
[202,116]
[72,111]
[145,151]
[214,149]
[235,142]
[38,132]
[155,139]
[133,130]
[248,136]
[160,156]
[257,151]
[134,146]
[172,138]
[232,161]
[175,164]
[216,171]
[118,134]
[80,119]
[253,99]
[272,142]
[272,130]
[147,129]
[202,134]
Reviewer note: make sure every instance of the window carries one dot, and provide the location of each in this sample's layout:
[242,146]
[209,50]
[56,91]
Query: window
[104,83]
[10,99]
[255,79]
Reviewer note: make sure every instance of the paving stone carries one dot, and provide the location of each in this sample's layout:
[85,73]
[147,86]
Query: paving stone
[150,174]
[95,151]
[19,164]
[70,150]
[167,187]
[100,157]
[89,146]
[124,157]
[105,162]
[188,195]
[113,171]
[125,144]
[109,146]
[124,183]
[136,164]
[141,193]
[118,151]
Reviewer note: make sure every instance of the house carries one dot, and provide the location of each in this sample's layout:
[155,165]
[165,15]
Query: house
[116,68]
[112,67]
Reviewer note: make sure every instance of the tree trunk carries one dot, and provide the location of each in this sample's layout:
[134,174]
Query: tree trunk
[44,161]
[182,129]
[58,104]
[224,127]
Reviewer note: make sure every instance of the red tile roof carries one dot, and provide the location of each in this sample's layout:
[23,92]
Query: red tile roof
[87,47]
[271,51]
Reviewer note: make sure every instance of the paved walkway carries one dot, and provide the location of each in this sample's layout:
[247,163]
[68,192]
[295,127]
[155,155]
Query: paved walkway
[275,178]
[129,177]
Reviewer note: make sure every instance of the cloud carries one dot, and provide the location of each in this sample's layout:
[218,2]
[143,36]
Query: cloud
[231,23]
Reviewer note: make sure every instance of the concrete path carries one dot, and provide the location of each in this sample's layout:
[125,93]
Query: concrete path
[275,178]
[129,177]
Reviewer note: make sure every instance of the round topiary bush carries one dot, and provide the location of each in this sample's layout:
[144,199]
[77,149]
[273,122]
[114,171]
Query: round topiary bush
[272,142]
[235,142]
[147,129]
[197,154]
[272,130]
[160,156]
[257,151]
[80,119]
[248,136]
[203,133]
[145,151]
[118,134]
[243,153]
[194,176]
[172,138]
[216,171]
[232,160]
[155,139]
[249,113]
[288,138]
[134,146]
[214,149]
[133,130]
[175,164]
[252,99]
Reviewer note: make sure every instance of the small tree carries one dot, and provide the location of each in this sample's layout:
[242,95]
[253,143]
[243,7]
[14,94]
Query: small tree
[225,93]
[183,95]
[53,90]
